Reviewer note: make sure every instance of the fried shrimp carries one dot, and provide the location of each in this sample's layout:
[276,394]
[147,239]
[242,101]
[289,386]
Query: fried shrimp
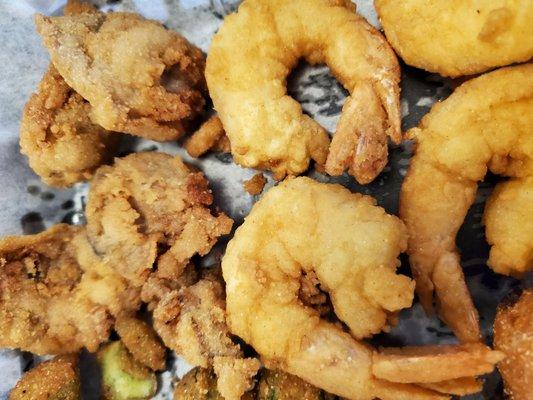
[151,208]
[458,37]
[151,92]
[352,246]
[55,298]
[247,67]
[485,124]
[513,334]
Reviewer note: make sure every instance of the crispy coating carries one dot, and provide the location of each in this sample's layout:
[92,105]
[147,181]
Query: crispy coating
[513,334]
[201,384]
[192,322]
[150,201]
[485,124]
[56,379]
[278,385]
[205,138]
[235,375]
[255,184]
[142,342]
[39,306]
[351,247]
[265,126]
[508,222]
[151,92]
[458,37]
[62,143]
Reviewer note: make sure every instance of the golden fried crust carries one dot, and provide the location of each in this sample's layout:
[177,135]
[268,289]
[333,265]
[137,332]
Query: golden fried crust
[192,322]
[148,200]
[513,334]
[142,342]
[205,138]
[255,184]
[458,37]
[266,127]
[283,386]
[201,384]
[74,7]
[152,92]
[40,310]
[62,143]
[55,379]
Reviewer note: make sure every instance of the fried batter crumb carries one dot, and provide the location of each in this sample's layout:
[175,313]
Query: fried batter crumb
[205,138]
[255,185]
[235,375]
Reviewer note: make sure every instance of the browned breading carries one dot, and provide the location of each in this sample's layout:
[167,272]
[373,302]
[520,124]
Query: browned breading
[149,204]
[142,342]
[56,379]
[152,92]
[205,138]
[255,184]
[62,143]
[513,334]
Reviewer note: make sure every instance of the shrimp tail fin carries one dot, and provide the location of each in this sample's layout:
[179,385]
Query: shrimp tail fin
[454,304]
[360,142]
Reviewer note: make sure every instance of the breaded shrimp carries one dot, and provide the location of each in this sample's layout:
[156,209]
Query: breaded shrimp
[247,67]
[352,246]
[151,208]
[458,37]
[153,91]
[509,227]
[486,124]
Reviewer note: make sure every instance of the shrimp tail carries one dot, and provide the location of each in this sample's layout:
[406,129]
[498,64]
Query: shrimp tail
[360,142]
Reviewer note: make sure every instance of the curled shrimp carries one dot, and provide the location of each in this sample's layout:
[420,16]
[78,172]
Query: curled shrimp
[352,246]
[486,124]
[247,67]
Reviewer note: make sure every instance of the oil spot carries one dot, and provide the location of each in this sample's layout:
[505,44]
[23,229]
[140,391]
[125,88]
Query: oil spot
[32,223]
[47,196]
[33,190]
[67,205]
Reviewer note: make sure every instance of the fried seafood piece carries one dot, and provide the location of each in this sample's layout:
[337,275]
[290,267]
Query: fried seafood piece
[485,124]
[458,37]
[192,322]
[142,342]
[151,207]
[508,222]
[266,127]
[56,133]
[123,377]
[56,379]
[152,92]
[352,246]
[39,308]
[201,384]
[278,385]
[513,334]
